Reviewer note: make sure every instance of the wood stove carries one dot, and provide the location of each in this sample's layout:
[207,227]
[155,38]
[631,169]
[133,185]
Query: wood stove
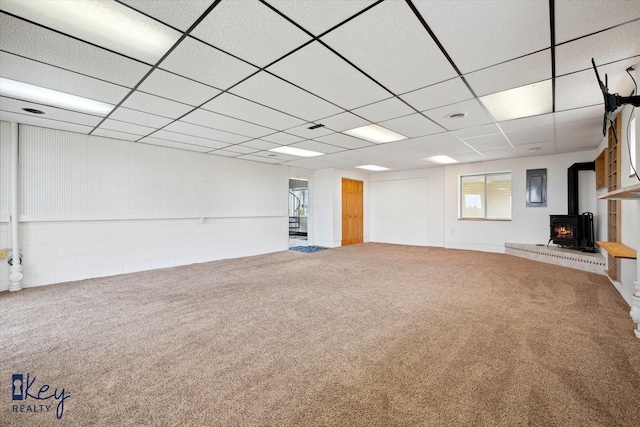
[573,230]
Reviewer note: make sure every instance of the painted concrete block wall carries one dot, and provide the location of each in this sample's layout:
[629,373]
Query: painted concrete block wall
[62,251]
[93,206]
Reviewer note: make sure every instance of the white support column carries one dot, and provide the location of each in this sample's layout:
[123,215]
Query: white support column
[15,270]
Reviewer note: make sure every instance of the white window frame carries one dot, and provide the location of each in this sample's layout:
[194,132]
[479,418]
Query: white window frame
[485,208]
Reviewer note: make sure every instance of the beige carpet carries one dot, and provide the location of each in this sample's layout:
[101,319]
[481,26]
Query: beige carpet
[365,335]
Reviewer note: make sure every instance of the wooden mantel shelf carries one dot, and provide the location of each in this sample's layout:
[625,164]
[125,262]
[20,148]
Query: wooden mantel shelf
[630,192]
[618,250]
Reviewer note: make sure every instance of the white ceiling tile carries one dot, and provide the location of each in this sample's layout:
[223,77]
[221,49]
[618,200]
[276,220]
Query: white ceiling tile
[438,95]
[177,13]
[443,143]
[527,136]
[488,32]
[476,115]
[576,18]
[197,61]
[173,144]
[582,90]
[589,127]
[228,124]
[189,139]
[43,75]
[282,138]
[499,153]
[384,110]
[147,39]
[344,141]
[576,55]
[488,142]
[255,158]
[205,132]
[155,105]
[225,153]
[568,145]
[323,73]
[389,43]
[168,85]
[412,126]
[475,131]
[31,119]
[508,75]
[126,127]
[251,31]
[113,134]
[240,149]
[138,117]
[317,146]
[319,16]
[527,123]
[343,121]
[585,113]
[259,144]
[51,113]
[468,157]
[276,93]
[539,149]
[47,46]
[234,106]
[304,131]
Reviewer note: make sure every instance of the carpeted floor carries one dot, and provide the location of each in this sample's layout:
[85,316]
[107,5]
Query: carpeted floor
[364,335]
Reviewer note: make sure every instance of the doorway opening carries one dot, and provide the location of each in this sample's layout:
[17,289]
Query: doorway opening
[298,212]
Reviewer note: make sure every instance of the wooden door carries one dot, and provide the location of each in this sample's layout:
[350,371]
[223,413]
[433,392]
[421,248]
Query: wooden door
[352,212]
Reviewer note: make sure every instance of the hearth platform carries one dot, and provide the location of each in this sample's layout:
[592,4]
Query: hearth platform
[594,263]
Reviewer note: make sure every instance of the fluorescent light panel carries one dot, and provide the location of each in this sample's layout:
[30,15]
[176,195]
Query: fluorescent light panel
[524,101]
[375,168]
[292,151]
[442,159]
[105,23]
[41,95]
[375,133]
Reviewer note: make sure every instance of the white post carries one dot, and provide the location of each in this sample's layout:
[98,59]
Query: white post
[15,270]
[635,299]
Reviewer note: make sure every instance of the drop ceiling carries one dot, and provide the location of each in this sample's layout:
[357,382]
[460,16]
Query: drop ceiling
[240,78]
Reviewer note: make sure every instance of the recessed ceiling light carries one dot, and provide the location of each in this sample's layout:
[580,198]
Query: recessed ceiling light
[375,133]
[373,168]
[33,111]
[460,115]
[41,95]
[108,24]
[524,101]
[534,149]
[442,159]
[292,151]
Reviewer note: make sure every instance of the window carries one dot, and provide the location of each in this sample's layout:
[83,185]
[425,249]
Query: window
[485,196]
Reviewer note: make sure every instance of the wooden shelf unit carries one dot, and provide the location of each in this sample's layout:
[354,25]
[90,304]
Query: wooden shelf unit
[613,178]
[618,250]
[627,193]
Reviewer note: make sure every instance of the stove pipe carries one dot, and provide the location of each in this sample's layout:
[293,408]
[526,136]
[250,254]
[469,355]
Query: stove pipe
[573,192]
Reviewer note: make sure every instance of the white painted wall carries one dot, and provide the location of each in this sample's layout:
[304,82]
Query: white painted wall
[417,217]
[528,225]
[93,206]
